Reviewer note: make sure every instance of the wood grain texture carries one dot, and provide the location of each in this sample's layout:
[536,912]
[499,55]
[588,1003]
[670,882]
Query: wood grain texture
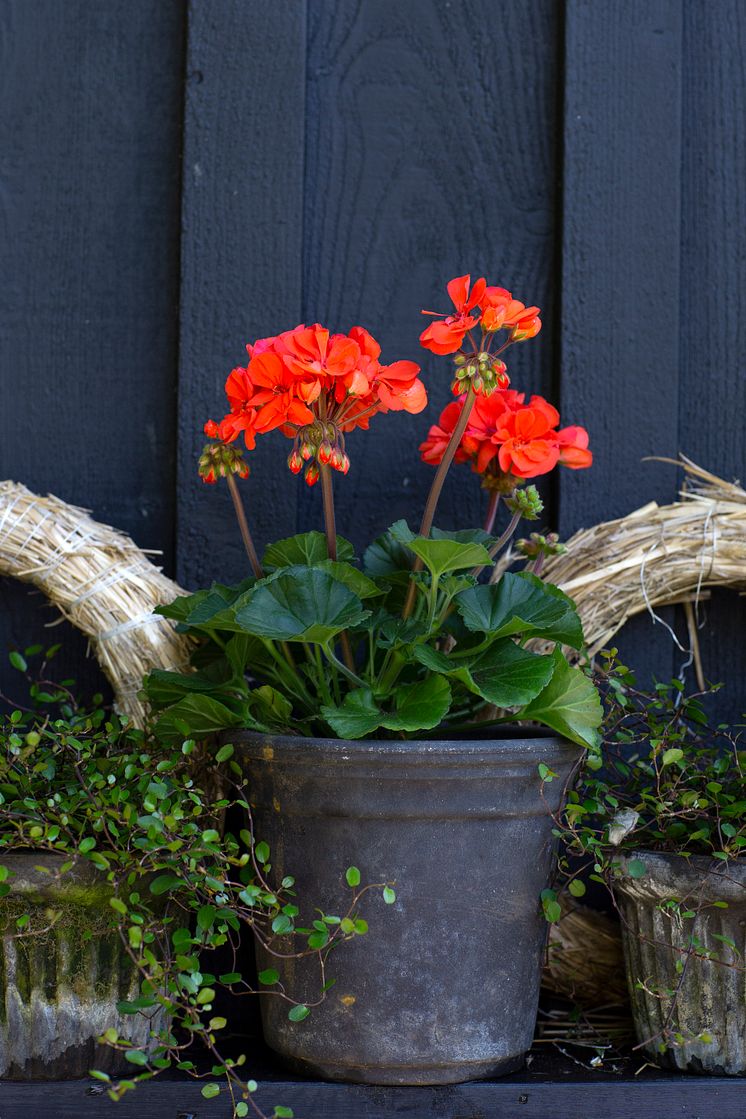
[620,349]
[518,1097]
[712,388]
[241,254]
[430,152]
[90,110]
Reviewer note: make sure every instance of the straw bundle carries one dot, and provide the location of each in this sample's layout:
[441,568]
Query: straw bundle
[99,580]
[585,962]
[656,556]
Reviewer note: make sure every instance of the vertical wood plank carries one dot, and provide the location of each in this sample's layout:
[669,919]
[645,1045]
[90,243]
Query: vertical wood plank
[431,151]
[90,115]
[242,237]
[620,266]
[712,398]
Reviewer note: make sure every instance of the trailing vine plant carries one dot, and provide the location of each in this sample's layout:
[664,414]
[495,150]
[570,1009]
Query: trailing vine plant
[181,889]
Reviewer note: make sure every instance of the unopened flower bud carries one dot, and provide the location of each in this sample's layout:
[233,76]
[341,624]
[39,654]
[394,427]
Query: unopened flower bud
[312,474]
[483,358]
[324,453]
[220,459]
[526,502]
[295,462]
[306,450]
[462,373]
[456,387]
[477,383]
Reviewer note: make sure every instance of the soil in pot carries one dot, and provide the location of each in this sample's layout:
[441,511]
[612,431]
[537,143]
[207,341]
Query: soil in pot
[700,1013]
[60,988]
[444,986]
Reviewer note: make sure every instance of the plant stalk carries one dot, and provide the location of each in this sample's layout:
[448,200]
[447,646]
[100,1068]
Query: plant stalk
[435,490]
[489,520]
[243,524]
[330,527]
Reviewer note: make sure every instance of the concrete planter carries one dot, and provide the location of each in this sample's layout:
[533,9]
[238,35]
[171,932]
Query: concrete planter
[445,985]
[711,998]
[58,991]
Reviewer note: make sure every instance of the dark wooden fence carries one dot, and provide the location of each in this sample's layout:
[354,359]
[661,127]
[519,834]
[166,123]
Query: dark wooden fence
[177,179]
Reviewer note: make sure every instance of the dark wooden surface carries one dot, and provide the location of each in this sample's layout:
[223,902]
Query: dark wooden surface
[340,161]
[90,123]
[571,1096]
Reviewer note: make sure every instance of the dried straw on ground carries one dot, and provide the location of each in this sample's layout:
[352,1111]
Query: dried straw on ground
[656,556]
[99,580]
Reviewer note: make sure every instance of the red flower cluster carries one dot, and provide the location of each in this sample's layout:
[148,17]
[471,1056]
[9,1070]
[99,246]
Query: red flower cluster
[507,439]
[491,308]
[315,386]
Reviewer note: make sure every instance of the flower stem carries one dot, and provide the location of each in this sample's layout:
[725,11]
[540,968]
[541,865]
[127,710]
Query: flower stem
[330,527]
[489,520]
[503,540]
[435,490]
[243,524]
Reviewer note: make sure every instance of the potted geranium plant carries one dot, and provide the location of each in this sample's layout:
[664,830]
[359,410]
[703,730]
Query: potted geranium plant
[661,819]
[375,708]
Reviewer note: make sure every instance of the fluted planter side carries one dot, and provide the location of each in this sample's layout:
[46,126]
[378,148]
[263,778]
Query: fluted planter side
[710,999]
[59,989]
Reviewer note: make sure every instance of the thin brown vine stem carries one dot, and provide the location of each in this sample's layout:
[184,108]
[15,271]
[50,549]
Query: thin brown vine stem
[435,490]
[243,525]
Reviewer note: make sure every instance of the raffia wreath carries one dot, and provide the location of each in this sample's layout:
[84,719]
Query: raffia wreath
[100,581]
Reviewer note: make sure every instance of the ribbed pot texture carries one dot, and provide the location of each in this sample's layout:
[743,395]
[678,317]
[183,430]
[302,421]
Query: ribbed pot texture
[59,991]
[444,986]
[711,999]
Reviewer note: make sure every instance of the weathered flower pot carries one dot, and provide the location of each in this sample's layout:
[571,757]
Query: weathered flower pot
[445,985]
[59,990]
[710,999]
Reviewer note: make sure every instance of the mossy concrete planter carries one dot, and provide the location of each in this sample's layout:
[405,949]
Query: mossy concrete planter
[444,987]
[711,998]
[59,990]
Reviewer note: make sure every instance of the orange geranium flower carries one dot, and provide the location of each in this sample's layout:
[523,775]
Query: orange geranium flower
[279,397]
[573,445]
[528,446]
[446,337]
[499,310]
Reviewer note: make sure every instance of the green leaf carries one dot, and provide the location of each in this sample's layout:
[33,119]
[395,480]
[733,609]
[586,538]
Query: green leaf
[210,1091]
[163,883]
[201,714]
[569,704]
[298,1013]
[135,1057]
[551,907]
[352,874]
[86,844]
[517,605]
[576,888]
[283,1112]
[269,976]
[636,868]
[419,706]
[388,555]
[17,661]
[307,549]
[670,757]
[356,716]
[224,753]
[442,556]
[389,895]
[262,851]
[504,674]
[300,604]
[242,1109]
[352,578]
[206,917]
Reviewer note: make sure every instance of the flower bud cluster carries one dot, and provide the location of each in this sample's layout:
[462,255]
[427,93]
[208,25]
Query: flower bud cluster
[527,503]
[316,445]
[539,545]
[482,371]
[218,460]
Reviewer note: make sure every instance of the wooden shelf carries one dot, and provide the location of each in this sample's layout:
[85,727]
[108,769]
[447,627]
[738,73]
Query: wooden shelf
[551,1088]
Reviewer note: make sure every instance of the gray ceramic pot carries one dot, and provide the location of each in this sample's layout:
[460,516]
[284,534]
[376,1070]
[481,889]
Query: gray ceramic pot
[58,991]
[711,999]
[445,985]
